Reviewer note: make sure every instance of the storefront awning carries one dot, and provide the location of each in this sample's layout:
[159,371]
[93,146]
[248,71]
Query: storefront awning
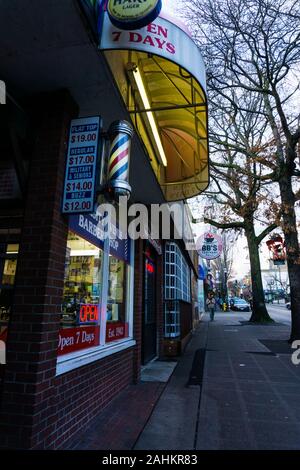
[161,77]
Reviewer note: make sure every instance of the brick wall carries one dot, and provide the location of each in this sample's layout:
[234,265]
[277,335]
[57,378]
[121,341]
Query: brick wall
[27,397]
[38,409]
[83,393]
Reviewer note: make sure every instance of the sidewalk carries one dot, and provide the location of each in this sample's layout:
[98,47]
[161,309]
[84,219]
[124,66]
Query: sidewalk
[234,388]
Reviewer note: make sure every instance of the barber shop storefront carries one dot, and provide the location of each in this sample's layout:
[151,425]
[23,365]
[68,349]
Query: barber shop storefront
[97,310]
[81,312]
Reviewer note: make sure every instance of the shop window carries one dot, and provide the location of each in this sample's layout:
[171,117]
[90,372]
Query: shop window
[8,266]
[80,316]
[117,321]
[177,287]
[96,304]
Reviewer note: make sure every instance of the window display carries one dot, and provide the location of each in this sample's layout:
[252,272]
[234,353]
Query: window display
[8,266]
[117,326]
[95,309]
[82,282]
[80,315]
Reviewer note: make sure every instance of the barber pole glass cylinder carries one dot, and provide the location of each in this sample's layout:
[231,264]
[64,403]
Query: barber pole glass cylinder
[120,133]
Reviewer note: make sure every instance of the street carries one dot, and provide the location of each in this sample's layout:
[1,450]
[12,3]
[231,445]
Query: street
[279,313]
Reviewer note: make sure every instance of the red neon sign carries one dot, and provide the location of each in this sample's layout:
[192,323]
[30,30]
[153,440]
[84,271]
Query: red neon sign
[89,313]
[149,267]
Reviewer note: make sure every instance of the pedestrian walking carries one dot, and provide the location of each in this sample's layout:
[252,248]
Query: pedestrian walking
[211,303]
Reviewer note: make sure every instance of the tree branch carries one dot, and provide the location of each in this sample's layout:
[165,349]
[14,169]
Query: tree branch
[224,226]
[266,232]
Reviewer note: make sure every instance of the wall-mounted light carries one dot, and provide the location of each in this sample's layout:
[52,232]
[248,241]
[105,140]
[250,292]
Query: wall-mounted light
[146,103]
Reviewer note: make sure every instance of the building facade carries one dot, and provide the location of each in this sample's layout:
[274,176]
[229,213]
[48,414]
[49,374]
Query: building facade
[80,313]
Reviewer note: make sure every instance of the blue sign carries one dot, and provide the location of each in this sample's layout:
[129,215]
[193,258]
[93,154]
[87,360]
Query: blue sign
[81,166]
[92,228]
[201,273]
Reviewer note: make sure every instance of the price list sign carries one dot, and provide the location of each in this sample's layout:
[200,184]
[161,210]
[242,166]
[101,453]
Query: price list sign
[81,166]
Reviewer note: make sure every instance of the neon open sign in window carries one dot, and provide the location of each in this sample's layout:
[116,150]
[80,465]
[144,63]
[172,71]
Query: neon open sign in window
[89,313]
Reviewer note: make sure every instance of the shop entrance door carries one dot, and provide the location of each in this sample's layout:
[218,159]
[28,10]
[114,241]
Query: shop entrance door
[149,348]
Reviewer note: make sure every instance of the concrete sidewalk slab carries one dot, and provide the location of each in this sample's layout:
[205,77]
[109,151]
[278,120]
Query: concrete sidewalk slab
[247,398]
[158,371]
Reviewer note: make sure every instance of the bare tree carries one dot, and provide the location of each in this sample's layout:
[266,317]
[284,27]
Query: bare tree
[222,266]
[254,46]
[240,186]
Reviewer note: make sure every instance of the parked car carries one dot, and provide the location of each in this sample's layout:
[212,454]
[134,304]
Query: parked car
[240,305]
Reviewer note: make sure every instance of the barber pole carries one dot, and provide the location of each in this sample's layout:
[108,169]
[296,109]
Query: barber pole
[121,133]
[119,157]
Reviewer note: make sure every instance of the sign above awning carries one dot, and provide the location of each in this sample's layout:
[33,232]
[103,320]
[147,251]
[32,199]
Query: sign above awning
[161,76]
[133,14]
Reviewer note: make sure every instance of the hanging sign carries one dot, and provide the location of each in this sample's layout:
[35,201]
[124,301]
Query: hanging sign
[201,273]
[81,166]
[209,245]
[276,247]
[133,14]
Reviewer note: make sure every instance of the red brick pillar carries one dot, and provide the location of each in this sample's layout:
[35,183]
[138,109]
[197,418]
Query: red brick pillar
[28,409]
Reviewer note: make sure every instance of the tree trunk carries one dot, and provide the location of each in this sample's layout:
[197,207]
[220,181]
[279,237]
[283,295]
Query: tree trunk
[259,310]
[292,250]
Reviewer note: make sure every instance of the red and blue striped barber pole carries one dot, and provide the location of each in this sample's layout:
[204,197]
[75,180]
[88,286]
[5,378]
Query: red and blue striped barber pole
[119,157]
[121,133]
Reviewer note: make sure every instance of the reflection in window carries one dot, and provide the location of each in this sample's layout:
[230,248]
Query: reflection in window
[116,290]
[9,272]
[8,266]
[6,296]
[82,282]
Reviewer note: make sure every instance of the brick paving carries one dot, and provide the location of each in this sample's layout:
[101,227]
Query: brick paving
[120,424]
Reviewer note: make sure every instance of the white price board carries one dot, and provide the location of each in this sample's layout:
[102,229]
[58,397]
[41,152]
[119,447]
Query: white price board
[81,166]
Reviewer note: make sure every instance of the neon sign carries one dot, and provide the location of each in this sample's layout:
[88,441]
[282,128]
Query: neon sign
[150,267]
[88,313]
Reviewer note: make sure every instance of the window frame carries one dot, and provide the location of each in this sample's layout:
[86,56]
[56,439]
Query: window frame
[76,359]
[177,287]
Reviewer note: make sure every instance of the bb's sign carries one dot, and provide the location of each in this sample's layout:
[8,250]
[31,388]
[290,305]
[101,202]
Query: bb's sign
[133,14]
[209,245]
